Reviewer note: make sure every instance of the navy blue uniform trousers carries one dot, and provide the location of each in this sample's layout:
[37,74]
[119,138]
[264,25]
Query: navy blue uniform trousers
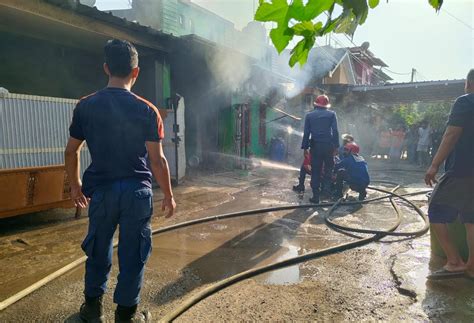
[127,204]
[322,155]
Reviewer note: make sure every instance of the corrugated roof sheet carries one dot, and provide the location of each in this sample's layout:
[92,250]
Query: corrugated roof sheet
[107,17]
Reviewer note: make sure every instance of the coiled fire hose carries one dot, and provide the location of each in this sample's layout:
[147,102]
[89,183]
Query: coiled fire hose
[378,234]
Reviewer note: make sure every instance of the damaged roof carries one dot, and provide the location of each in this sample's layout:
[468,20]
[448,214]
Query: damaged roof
[365,54]
[108,17]
[324,60]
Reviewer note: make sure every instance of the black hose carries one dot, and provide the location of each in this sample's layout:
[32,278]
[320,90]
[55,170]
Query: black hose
[416,233]
[30,289]
[273,209]
[378,234]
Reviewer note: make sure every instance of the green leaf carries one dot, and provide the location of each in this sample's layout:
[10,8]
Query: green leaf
[276,11]
[363,17]
[296,52]
[296,10]
[302,27]
[281,37]
[373,3]
[359,8]
[345,22]
[316,7]
[317,26]
[299,54]
[307,29]
[436,4]
[330,25]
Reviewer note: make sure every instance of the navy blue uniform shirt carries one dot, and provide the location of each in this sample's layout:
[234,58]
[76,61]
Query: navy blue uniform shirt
[357,170]
[461,160]
[321,125]
[116,123]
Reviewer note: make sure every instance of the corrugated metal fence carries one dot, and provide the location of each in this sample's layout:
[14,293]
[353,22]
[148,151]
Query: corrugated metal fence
[34,131]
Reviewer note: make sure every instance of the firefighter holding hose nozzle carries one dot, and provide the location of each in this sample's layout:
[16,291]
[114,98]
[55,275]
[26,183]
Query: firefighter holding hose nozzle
[353,170]
[321,141]
[306,167]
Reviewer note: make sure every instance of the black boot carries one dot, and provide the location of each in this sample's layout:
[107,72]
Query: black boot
[314,199]
[124,314]
[362,195]
[91,310]
[298,188]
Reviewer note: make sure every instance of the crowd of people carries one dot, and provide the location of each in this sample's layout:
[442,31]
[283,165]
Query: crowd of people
[417,143]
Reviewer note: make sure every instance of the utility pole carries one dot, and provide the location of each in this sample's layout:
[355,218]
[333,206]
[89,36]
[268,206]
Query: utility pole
[413,71]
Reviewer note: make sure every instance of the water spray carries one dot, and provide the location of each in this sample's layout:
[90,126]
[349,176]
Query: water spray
[254,162]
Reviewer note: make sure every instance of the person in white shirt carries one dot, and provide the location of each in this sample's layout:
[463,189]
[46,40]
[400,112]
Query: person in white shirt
[424,144]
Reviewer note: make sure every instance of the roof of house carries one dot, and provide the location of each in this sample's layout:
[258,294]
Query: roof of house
[381,76]
[324,60]
[365,54]
[107,17]
[396,93]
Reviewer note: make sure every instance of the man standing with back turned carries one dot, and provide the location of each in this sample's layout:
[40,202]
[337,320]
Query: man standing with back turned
[321,126]
[453,195]
[122,131]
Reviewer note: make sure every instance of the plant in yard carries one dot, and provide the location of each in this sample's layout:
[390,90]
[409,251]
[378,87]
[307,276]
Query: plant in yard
[309,19]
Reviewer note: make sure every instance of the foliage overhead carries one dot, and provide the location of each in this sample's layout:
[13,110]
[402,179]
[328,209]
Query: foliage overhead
[309,19]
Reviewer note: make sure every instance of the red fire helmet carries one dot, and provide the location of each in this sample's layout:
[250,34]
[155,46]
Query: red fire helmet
[352,147]
[322,101]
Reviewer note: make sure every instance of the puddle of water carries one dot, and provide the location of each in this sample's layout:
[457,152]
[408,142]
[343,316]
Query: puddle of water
[215,251]
[285,276]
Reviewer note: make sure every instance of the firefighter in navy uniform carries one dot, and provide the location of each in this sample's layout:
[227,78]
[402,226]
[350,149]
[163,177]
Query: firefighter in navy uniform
[321,140]
[352,169]
[122,132]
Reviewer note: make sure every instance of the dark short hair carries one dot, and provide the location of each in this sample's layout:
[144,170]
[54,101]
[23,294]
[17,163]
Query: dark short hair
[470,76]
[121,57]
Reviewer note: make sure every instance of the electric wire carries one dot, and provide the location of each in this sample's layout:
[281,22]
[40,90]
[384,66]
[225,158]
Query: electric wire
[458,19]
[396,73]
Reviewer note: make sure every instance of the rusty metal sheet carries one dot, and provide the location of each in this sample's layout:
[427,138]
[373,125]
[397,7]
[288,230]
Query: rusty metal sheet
[26,190]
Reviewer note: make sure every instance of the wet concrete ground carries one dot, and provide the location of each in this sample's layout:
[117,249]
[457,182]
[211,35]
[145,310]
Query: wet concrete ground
[382,281]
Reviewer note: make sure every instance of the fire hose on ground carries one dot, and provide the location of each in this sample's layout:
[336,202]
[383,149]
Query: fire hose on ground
[377,235]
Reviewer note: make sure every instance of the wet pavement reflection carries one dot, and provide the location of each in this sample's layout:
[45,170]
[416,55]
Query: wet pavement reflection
[185,260]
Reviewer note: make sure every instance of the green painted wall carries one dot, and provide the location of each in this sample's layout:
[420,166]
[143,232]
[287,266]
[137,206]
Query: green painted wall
[227,121]
[257,149]
[166,82]
[227,130]
[271,114]
[193,19]
[169,17]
